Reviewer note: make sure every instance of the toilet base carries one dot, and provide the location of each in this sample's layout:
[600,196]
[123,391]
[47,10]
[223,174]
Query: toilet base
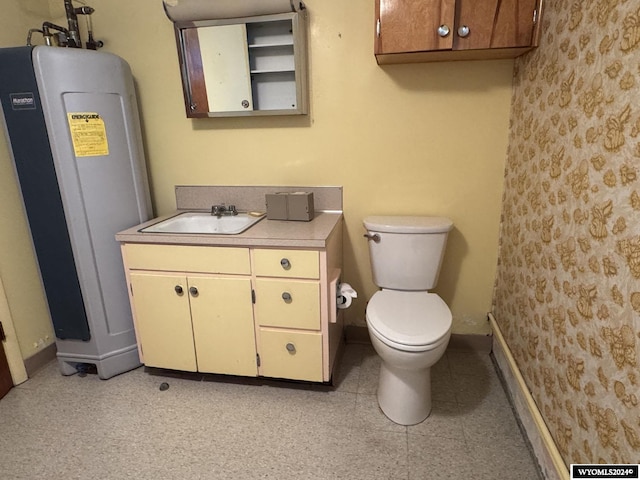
[404,395]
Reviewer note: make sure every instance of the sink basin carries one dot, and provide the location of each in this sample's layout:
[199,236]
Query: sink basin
[204,222]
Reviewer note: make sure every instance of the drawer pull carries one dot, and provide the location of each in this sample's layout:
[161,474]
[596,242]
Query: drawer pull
[286,296]
[193,291]
[291,348]
[286,264]
[179,290]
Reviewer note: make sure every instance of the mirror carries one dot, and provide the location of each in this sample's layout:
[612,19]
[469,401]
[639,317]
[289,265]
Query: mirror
[241,67]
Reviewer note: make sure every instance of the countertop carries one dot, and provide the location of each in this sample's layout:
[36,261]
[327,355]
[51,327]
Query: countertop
[265,233]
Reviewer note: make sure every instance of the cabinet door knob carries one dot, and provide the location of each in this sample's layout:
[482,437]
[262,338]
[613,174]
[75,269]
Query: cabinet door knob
[193,291]
[463,31]
[286,264]
[178,289]
[291,348]
[443,30]
[286,296]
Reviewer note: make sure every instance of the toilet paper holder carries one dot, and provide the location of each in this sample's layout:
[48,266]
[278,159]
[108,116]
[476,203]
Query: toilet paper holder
[341,294]
[345,294]
[334,278]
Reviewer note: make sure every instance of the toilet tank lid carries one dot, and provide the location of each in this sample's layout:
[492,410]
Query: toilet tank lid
[408,224]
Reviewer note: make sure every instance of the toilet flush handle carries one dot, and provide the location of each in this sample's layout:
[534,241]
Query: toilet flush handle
[372,236]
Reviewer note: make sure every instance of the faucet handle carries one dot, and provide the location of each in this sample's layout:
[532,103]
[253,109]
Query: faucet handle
[231,209]
[217,210]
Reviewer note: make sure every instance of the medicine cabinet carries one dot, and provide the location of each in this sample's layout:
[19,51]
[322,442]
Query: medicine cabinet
[243,67]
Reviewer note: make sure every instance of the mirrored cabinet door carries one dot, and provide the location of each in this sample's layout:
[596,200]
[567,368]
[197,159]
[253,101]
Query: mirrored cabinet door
[252,66]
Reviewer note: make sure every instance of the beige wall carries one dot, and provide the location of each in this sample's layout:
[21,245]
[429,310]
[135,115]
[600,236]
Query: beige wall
[18,267]
[406,139]
[568,292]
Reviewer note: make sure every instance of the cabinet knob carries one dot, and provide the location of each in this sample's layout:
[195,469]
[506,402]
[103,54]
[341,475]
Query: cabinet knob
[463,31]
[245,103]
[443,30]
[178,289]
[286,296]
[193,291]
[286,264]
[291,348]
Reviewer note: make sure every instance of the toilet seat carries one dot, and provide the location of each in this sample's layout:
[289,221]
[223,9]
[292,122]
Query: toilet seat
[410,321]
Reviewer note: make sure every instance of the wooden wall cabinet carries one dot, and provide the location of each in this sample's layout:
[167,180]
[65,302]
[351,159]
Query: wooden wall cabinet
[409,31]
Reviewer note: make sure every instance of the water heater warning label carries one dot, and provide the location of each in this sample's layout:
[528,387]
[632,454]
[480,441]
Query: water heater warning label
[88,134]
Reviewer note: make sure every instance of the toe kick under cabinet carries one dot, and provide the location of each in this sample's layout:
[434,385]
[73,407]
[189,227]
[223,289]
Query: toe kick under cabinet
[236,310]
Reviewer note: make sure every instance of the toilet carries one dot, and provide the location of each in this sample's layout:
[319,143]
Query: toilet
[409,327]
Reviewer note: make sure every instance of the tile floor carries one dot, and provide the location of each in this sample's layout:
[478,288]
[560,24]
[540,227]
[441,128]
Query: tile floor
[211,427]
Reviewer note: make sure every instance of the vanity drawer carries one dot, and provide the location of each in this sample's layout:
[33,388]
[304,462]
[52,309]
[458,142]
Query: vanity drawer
[287,263]
[287,354]
[186,258]
[288,303]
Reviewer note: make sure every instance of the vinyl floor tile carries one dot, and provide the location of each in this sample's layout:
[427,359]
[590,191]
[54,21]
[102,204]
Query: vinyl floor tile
[216,427]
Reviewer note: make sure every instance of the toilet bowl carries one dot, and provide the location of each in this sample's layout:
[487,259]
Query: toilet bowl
[410,332]
[409,327]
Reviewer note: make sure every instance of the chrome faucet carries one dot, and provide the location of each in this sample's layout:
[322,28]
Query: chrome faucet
[219,210]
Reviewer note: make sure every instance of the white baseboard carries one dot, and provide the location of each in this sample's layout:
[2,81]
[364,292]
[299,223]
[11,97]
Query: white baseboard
[549,458]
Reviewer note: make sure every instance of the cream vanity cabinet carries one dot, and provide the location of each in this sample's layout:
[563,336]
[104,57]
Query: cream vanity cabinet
[192,307]
[287,312]
[234,310]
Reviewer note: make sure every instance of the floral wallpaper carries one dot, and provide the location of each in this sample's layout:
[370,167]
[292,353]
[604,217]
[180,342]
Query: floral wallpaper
[567,295]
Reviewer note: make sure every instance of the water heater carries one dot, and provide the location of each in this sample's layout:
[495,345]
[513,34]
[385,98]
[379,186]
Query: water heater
[73,128]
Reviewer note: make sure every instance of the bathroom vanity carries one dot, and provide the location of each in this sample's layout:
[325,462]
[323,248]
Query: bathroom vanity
[258,303]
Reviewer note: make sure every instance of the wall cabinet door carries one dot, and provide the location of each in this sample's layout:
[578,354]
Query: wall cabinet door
[413,25]
[225,65]
[163,320]
[494,24]
[427,30]
[223,330]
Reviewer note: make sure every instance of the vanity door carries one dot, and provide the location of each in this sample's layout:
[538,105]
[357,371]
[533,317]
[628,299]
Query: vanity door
[223,331]
[163,320]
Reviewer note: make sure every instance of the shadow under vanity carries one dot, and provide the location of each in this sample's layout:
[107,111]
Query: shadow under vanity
[259,303]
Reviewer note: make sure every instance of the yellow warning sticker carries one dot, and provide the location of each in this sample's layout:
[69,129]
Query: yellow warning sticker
[88,134]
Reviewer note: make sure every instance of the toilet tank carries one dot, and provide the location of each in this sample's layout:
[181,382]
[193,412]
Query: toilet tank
[406,252]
